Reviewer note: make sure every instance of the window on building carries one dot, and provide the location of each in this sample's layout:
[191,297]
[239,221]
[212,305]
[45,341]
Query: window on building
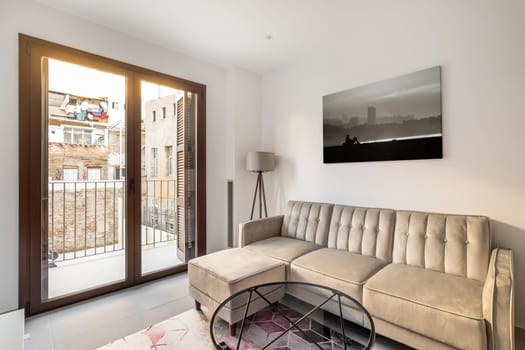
[77,136]
[120,173]
[70,174]
[163,112]
[99,138]
[154,116]
[174,110]
[84,136]
[154,162]
[169,160]
[94,174]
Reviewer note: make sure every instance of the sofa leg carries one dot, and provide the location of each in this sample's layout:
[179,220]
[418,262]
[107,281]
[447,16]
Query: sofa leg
[197,306]
[233,328]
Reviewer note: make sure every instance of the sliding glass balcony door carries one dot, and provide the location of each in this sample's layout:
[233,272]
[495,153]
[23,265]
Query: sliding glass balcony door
[108,175]
[167,177]
[84,165]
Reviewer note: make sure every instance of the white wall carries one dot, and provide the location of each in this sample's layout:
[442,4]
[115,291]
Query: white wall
[40,21]
[243,135]
[480,48]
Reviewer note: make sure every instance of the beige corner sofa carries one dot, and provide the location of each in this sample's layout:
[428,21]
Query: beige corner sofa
[429,280]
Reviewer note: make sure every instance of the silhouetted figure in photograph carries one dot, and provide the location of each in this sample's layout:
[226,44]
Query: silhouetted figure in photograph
[351,141]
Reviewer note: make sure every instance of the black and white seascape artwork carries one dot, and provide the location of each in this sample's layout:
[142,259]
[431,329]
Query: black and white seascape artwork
[394,119]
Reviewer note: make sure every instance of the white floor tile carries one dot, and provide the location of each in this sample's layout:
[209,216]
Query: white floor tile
[39,330]
[165,311]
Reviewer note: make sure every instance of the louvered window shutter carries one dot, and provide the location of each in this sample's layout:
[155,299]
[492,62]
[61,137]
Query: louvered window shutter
[185,177]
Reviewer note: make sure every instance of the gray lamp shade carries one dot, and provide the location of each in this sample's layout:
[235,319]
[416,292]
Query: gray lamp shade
[260,161]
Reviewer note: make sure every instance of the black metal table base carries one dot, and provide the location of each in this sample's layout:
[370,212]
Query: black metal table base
[336,296]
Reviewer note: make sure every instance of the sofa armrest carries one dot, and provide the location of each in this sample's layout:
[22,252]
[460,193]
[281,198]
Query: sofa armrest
[257,230]
[498,300]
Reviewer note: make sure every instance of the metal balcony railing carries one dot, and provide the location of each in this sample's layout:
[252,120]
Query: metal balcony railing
[158,211]
[87,218]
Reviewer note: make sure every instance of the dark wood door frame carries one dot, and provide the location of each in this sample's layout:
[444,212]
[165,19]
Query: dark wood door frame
[30,187]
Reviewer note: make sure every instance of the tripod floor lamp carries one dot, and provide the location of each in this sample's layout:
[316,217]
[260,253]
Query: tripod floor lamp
[260,162]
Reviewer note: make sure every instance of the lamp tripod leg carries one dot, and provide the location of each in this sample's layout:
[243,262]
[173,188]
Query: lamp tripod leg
[259,181]
[254,197]
[264,198]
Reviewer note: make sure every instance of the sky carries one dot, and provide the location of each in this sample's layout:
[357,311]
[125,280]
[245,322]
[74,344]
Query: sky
[417,94]
[79,80]
[85,81]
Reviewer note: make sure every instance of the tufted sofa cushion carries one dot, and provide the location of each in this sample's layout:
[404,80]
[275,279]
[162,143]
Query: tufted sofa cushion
[364,231]
[336,268]
[283,248]
[440,306]
[307,221]
[454,244]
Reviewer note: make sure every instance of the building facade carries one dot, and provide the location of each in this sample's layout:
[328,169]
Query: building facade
[159,133]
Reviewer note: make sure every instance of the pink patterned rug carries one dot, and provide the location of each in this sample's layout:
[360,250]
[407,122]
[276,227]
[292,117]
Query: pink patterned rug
[190,330]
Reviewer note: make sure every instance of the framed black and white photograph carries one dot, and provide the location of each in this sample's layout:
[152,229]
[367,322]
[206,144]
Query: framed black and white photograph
[394,119]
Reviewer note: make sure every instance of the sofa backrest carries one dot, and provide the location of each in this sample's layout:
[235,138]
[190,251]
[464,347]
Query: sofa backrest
[307,221]
[365,231]
[455,244]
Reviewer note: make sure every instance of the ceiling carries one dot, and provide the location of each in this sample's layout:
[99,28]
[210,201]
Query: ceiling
[225,32]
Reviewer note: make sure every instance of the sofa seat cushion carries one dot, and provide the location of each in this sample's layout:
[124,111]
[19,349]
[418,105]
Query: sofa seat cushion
[336,268]
[283,248]
[443,307]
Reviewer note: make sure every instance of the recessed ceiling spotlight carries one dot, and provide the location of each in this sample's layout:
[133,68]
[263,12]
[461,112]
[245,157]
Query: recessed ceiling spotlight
[269,37]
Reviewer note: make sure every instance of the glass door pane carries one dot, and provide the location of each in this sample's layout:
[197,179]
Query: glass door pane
[160,105]
[84,167]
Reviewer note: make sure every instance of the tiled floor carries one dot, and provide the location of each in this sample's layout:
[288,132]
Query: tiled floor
[94,323]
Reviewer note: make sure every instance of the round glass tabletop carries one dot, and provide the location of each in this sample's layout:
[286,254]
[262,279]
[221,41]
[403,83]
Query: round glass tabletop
[309,316]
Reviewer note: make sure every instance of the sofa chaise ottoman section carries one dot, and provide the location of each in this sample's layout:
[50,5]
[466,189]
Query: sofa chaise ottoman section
[215,277]
[336,268]
[440,306]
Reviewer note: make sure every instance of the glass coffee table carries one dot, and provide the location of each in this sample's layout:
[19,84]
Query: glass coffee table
[323,318]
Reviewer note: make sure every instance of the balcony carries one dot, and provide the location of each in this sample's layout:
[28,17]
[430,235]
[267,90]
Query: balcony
[86,241]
